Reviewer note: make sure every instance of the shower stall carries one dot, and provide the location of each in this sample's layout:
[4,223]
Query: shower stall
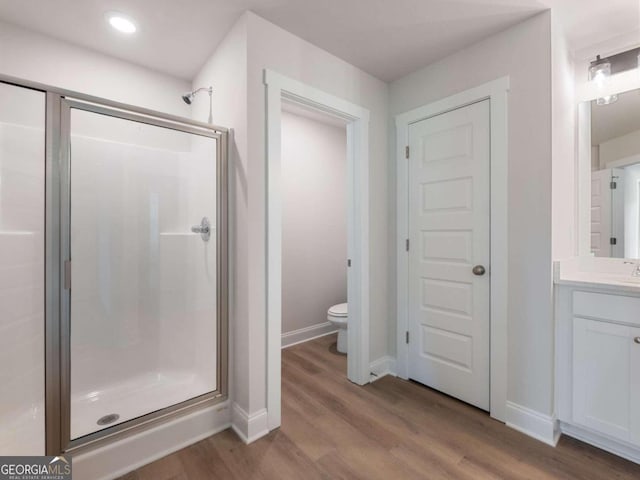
[113,268]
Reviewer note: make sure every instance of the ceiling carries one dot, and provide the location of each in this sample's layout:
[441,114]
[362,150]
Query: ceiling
[387,38]
[616,119]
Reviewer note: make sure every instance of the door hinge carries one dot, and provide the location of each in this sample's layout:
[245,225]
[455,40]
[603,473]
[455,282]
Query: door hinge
[613,185]
[613,241]
[348,262]
[406,336]
[406,151]
[406,244]
[67,275]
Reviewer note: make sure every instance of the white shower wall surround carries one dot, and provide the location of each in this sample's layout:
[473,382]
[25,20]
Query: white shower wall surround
[143,300]
[22,173]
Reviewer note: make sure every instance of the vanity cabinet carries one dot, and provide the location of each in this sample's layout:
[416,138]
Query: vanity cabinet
[598,367]
[606,378]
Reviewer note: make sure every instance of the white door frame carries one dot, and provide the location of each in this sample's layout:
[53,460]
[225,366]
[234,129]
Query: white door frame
[278,88]
[496,91]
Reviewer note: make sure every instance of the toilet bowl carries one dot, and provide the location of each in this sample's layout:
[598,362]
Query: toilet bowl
[338,315]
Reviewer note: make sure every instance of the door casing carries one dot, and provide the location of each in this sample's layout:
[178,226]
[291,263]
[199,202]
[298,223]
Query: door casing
[280,87]
[496,92]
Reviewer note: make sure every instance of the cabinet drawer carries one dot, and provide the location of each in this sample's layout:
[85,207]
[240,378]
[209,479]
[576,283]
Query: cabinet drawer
[616,308]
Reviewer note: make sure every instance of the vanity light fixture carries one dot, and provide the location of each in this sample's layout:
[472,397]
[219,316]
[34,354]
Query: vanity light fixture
[121,22]
[599,73]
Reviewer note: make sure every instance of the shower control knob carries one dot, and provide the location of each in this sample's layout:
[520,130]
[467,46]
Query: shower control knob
[637,339]
[479,270]
[204,229]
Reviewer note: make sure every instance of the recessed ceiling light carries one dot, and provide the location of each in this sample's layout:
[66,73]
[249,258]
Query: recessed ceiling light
[121,22]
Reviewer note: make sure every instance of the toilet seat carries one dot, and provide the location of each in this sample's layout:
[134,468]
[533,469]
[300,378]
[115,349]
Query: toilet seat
[340,310]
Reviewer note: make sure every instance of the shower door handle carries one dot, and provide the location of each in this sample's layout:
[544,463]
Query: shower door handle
[67,274]
[204,229]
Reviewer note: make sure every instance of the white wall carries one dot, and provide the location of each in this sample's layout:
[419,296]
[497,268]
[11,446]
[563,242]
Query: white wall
[563,128]
[226,71]
[619,148]
[314,220]
[524,53]
[32,56]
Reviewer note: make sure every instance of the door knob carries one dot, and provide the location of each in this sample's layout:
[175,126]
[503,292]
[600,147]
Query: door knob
[637,339]
[479,270]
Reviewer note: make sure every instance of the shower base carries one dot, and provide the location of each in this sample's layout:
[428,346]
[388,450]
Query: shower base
[134,397]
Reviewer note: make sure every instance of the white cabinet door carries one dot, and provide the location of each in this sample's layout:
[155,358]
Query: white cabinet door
[602,392]
[449,194]
[635,385]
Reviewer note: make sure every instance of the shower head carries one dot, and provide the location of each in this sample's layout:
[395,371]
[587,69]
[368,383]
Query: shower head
[188,99]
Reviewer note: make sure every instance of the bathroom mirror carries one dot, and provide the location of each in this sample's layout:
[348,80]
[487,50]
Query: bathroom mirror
[614,150]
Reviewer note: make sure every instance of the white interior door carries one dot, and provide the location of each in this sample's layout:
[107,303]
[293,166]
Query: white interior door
[601,213]
[449,228]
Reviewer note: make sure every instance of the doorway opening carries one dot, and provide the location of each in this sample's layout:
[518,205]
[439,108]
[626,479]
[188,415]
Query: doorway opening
[356,119]
[314,227]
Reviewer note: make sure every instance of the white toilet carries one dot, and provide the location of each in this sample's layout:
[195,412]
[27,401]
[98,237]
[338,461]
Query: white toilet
[339,316]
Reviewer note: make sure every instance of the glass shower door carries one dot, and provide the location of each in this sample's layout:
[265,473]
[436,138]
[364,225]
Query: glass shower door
[143,248]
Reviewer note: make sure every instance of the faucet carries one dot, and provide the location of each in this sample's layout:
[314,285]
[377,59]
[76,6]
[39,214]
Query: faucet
[636,270]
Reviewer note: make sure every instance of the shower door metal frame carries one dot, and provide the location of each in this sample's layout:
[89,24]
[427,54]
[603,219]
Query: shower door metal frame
[57,251]
[58,101]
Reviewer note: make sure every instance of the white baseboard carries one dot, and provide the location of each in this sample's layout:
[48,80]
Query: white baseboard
[308,333]
[120,457]
[605,443]
[249,427]
[383,366]
[535,424]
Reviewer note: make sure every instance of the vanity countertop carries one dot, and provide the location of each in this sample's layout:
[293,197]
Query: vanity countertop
[606,274]
[598,280]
